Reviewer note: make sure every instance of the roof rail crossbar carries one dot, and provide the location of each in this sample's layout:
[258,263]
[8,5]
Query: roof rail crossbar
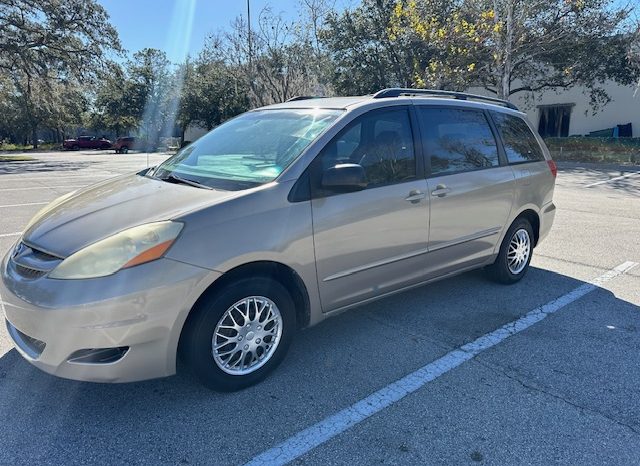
[304,97]
[398,91]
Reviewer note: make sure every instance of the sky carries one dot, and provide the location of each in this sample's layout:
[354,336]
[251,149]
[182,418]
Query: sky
[180,26]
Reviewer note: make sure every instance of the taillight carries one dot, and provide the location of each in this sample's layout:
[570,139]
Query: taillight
[553,167]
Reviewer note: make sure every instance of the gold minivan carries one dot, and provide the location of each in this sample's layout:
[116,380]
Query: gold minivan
[272,222]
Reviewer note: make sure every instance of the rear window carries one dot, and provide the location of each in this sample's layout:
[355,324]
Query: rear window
[457,140]
[519,142]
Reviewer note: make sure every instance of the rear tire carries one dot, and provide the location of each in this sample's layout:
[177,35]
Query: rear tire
[219,340]
[124,150]
[515,253]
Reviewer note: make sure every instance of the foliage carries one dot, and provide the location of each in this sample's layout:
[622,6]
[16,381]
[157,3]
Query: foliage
[49,49]
[364,57]
[114,108]
[212,91]
[510,46]
[61,65]
[591,149]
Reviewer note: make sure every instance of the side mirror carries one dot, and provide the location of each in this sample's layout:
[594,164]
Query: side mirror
[344,177]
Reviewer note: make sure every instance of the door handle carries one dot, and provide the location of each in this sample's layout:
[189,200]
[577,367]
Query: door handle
[415,196]
[440,191]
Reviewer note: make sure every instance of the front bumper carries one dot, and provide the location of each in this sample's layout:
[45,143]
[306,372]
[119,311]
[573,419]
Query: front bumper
[141,309]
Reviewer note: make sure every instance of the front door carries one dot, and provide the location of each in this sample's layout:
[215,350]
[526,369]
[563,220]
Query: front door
[374,240]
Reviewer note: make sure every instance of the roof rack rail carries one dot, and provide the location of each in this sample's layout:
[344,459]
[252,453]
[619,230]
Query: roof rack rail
[398,91]
[304,97]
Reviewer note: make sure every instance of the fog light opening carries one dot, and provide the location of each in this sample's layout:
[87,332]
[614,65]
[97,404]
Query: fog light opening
[98,355]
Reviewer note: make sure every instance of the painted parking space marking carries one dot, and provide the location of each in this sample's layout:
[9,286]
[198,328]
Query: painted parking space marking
[47,178]
[317,434]
[42,187]
[612,179]
[7,235]
[23,205]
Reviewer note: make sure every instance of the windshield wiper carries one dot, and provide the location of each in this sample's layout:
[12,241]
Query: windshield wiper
[178,179]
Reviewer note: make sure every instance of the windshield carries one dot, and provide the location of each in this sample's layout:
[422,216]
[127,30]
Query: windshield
[249,150]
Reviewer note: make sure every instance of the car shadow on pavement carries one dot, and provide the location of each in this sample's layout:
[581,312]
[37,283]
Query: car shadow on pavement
[176,420]
[593,173]
[21,167]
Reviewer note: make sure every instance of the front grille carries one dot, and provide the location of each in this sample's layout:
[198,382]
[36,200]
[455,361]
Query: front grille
[32,346]
[28,273]
[32,263]
[43,256]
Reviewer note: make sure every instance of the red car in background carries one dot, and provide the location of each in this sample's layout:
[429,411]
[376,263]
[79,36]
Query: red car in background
[124,144]
[86,142]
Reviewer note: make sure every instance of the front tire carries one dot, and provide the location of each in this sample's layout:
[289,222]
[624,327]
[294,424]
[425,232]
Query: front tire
[515,253]
[234,338]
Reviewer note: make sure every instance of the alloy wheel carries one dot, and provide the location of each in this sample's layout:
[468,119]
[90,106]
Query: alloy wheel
[519,251]
[247,335]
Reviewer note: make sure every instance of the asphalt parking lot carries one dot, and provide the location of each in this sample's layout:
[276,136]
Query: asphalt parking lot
[562,385]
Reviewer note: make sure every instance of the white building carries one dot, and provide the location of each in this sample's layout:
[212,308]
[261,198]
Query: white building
[566,112]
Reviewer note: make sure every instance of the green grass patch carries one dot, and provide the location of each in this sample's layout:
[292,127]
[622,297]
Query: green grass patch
[598,150]
[8,147]
[15,158]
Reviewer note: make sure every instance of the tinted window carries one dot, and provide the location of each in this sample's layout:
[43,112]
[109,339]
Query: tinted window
[519,142]
[457,140]
[381,142]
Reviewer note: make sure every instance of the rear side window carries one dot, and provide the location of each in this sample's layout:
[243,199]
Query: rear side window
[457,140]
[519,142]
[381,142]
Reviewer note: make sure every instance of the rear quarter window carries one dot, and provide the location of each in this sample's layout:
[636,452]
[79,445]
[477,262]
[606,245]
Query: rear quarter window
[520,144]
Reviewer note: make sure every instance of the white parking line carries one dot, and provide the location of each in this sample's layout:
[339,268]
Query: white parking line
[7,235]
[612,179]
[325,430]
[43,187]
[48,178]
[23,205]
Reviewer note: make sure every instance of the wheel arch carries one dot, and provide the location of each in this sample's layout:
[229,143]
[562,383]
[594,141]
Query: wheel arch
[534,219]
[284,274]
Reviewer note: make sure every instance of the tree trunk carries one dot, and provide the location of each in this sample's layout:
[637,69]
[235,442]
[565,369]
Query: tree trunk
[504,87]
[34,136]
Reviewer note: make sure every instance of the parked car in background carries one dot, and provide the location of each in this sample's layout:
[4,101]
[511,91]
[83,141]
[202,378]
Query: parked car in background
[272,222]
[86,142]
[124,145]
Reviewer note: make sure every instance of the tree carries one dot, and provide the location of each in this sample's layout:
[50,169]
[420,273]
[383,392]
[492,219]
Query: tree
[365,59]
[115,106]
[152,93]
[49,42]
[511,46]
[214,90]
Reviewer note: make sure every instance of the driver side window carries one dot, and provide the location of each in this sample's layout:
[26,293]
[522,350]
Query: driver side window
[381,142]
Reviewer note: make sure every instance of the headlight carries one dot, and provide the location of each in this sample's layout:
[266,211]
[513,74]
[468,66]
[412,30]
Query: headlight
[134,246]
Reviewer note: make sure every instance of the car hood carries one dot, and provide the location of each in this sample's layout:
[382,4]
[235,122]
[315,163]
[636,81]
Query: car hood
[101,210]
